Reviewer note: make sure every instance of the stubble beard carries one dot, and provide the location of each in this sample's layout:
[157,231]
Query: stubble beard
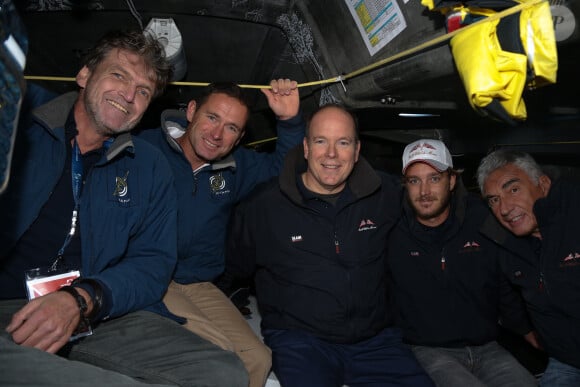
[100,126]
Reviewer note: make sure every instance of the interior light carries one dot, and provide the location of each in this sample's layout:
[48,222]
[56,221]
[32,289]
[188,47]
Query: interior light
[166,31]
[418,115]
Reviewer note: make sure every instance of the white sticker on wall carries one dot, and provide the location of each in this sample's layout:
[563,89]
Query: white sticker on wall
[378,21]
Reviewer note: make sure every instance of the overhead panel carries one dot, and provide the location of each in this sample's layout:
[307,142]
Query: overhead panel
[407,80]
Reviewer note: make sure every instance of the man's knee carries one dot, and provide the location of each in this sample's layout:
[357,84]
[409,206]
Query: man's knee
[229,371]
[258,358]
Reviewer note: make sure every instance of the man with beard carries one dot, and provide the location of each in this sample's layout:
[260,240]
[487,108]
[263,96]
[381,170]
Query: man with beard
[88,233]
[445,278]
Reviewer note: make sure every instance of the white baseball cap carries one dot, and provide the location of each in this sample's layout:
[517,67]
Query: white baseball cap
[432,152]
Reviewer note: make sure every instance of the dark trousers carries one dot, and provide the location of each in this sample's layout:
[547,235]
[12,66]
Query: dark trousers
[302,360]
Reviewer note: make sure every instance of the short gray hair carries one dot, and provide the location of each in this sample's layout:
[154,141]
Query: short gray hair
[503,157]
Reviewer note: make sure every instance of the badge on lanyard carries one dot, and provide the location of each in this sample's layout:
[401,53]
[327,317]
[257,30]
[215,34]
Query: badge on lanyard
[40,282]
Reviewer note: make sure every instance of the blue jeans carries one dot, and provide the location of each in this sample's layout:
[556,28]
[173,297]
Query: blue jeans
[475,366]
[139,346]
[559,374]
[302,360]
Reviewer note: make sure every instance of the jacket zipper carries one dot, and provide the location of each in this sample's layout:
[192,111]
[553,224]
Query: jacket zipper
[541,281]
[194,191]
[348,280]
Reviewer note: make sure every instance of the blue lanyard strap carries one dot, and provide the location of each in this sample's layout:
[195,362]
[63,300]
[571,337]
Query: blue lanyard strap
[76,173]
[77,184]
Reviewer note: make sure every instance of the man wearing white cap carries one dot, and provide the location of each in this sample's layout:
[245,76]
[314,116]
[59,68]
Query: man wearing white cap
[446,281]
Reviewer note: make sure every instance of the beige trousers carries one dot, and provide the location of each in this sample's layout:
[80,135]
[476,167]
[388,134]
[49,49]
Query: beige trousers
[211,315]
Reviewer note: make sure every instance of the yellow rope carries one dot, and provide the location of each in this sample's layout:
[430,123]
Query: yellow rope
[47,78]
[380,63]
[180,83]
[258,142]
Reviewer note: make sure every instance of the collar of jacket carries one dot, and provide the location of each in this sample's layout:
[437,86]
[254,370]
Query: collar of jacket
[174,124]
[362,181]
[549,209]
[492,229]
[53,115]
[519,246]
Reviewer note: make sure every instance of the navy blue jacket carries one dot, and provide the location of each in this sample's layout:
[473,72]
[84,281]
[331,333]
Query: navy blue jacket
[319,268]
[459,302]
[127,238]
[207,196]
[547,271]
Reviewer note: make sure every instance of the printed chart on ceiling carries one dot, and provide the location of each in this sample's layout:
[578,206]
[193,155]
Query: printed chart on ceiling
[378,21]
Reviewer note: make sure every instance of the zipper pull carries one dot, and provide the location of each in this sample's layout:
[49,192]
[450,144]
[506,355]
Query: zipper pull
[194,191]
[442,263]
[336,247]
[541,284]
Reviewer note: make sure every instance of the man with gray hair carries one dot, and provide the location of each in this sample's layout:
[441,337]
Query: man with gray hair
[542,251]
[446,280]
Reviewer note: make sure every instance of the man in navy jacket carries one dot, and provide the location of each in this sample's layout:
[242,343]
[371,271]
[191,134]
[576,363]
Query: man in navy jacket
[536,221]
[446,282]
[88,198]
[212,174]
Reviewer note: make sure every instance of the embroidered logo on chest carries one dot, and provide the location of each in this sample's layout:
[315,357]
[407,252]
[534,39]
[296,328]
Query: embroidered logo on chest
[572,259]
[366,224]
[122,188]
[217,184]
[470,247]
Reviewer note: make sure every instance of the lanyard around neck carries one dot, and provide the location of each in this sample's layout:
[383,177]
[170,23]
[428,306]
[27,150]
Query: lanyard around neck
[77,173]
[77,183]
